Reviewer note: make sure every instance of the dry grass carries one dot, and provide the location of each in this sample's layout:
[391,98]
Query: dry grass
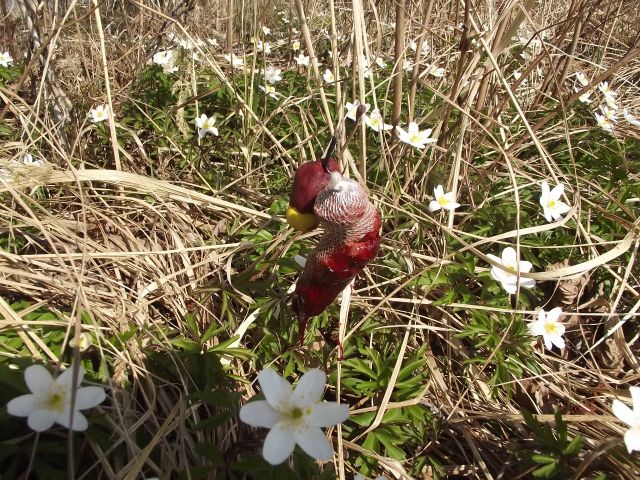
[117,239]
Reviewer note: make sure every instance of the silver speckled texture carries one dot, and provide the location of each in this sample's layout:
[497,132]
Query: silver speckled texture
[345,213]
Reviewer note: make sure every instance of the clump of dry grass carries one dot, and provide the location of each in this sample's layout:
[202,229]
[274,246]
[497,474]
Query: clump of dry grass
[141,263]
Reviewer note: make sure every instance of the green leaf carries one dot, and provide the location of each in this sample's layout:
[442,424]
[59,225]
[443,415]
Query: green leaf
[574,447]
[545,472]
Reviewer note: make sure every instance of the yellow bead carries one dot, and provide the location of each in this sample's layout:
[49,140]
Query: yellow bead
[302,222]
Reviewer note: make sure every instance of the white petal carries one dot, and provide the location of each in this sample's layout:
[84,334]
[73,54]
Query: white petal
[413,128]
[547,342]
[310,388]
[562,208]
[557,340]
[89,397]
[557,191]
[547,214]
[77,421]
[66,378]
[438,191]
[494,258]
[554,314]
[545,189]
[527,282]
[326,414]
[536,328]
[401,132]
[510,288]
[450,197]
[509,256]
[632,439]
[41,420]
[279,444]
[23,405]
[525,267]
[275,388]
[259,414]
[623,412]
[635,396]
[38,378]
[434,206]
[314,443]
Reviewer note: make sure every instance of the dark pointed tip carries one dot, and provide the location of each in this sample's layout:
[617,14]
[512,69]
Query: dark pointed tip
[329,153]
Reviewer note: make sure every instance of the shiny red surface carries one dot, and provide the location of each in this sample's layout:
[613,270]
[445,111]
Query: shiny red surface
[309,180]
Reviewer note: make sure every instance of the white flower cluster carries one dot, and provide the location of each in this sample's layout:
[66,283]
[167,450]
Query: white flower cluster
[607,112]
[412,135]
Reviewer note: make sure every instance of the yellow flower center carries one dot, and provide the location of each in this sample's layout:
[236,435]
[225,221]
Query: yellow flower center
[442,201]
[296,413]
[56,399]
[550,328]
[551,203]
[414,138]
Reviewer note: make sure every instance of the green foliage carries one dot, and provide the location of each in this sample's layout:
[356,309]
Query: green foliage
[502,344]
[555,454]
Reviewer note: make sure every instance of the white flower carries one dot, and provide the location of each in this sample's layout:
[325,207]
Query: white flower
[609,113]
[631,418]
[603,122]
[414,137]
[5,59]
[380,62]
[443,200]
[266,30]
[552,206]
[269,90]
[507,274]
[166,60]
[375,121]
[189,44]
[295,46]
[407,65]
[368,73]
[611,103]
[272,74]
[263,47]
[236,61]
[582,79]
[99,114]
[630,118]
[294,416]
[302,59]
[549,327]
[437,72]
[83,342]
[32,162]
[212,41]
[606,91]
[413,45]
[206,125]
[328,76]
[50,400]
[352,109]
[517,74]
[585,97]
